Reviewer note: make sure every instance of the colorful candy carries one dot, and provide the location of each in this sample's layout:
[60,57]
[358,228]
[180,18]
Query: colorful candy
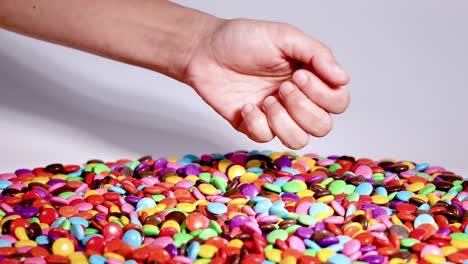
[243,207]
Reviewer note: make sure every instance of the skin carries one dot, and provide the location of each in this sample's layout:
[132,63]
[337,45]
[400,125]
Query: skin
[266,79]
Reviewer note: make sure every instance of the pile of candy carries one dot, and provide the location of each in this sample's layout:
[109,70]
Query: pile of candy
[242,207]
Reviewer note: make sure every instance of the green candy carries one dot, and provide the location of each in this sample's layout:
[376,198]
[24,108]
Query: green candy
[100,168]
[117,221]
[293,216]
[134,165]
[349,189]
[409,242]
[306,220]
[352,197]
[206,176]
[34,220]
[150,230]
[219,183]
[66,195]
[392,196]
[378,177]
[207,233]
[91,231]
[292,229]
[215,226]
[327,181]
[427,190]
[337,187]
[310,252]
[334,167]
[158,197]
[461,236]
[456,188]
[292,187]
[280,234]
[182,238]
[65,225]
[272,187]
[457,182]
[75,179]
[196,233]
[268,247]
[2,213]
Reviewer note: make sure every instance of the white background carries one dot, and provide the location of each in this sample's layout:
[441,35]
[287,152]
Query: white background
[407,60]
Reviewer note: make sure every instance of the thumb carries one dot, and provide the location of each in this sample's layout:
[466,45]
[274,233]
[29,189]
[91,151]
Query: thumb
[297,45]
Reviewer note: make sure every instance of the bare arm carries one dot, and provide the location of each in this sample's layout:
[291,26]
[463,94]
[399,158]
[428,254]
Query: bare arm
[154,34]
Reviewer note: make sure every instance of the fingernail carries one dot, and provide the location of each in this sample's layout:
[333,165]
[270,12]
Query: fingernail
[247,108]
[269,100]
[286,88]
[301,78]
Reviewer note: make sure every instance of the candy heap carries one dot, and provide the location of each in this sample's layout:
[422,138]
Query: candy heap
[242,207]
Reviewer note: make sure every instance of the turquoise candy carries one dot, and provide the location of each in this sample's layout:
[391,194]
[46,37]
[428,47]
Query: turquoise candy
[77,231]
[133,238]
[404,195]
[339,259]
[217,208]
[4,184]
[364,188]
[351,210]
[145,203]
[318,208]
[5,243]
[193,249]
[78,221]
[311,244]
[381,191]
[278,211]
[424,219]
[96,259]
[263,206]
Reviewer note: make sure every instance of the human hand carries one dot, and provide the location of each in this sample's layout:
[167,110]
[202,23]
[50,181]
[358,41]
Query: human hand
[268,79]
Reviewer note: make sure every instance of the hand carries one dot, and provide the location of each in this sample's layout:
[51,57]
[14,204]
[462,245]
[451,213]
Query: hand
[269,79]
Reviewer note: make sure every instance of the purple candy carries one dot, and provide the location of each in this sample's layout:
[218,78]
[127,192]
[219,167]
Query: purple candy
[368,248]
[238,158]
[181,171]
[55,181]
[319,226]
[297,177]
[304,232]
[250,190]
[316,179]
[132,199]
[160,163]
[192,169]
[172,250]
[238,221]
[141,166]
[23,171]
[293,196]
[373,259]
[445,231]
[328,241]
[165,170]
[284,162]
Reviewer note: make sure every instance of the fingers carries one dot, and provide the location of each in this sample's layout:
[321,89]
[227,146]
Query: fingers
[306,113]
[256,124]
[283,126]
[334,101]
[298,46]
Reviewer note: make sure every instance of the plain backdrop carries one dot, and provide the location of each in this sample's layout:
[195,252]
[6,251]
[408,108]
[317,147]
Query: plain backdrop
[407,60]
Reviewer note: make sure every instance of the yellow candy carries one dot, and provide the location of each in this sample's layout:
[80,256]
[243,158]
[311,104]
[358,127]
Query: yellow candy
[10,217]
[192,178]
[201,202]
[90,192]
[124,220]
[289,260]
[309,161]
[173,159]
[114,256]
[356,224]
[237,202]
[186,207]
[359,212]
[396,261]
[236,243]
[248,177]
[114,209]
[380,199]
[459,243]
[409,164]
[25,243]
[253,163]
[304,193]
[63,247]
[223,164]
[433,199]
[447,196]
[326,199]
[434,258]
[324,254]
[235,171]
[173,179]
[60,176]
[396,220]
[207,251]
[414,187]
[322,215]
[20,233]
[449,250]
[151,211]
[207,189]
[43,180]
[78,258]
[276,155]
[372,222]
[202,261]
[171,223]
[274,255]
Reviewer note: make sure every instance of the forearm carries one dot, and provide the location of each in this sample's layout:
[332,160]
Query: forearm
[155,34]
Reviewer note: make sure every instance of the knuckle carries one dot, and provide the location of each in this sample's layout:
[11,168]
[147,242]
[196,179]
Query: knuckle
[323,127]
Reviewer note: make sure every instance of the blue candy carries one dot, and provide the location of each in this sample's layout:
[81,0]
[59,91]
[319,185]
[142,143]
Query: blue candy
[217,208]
[364,188]
[133,238]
